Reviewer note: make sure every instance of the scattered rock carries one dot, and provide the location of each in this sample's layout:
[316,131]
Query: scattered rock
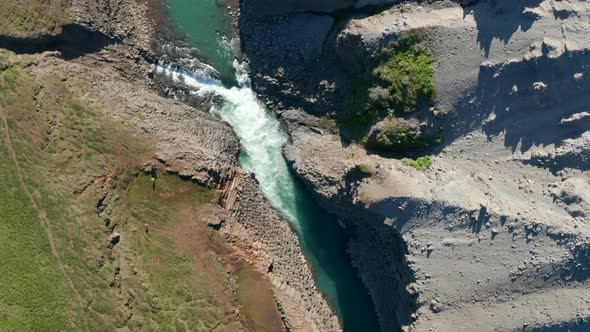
[115,238]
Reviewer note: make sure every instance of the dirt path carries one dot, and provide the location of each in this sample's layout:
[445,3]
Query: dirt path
[42,215]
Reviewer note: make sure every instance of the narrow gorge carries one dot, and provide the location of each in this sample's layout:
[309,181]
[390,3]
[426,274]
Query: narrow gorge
[322,237]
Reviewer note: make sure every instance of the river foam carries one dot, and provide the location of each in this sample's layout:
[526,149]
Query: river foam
[259,131]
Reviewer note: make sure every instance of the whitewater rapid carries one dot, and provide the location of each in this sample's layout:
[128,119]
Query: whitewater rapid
[322,240]
[259,131]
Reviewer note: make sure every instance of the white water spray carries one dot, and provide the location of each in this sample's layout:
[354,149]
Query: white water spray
[259,132]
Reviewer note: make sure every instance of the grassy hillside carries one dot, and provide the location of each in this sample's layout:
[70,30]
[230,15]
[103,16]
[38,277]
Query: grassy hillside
[69,182]
[30,17]
[33,285]
[190,287]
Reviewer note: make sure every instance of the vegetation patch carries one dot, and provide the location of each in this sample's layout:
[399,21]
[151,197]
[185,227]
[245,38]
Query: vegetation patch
[34,295]
[51,246]
[421,163]
[32,17]
[402,82]
[8,80]
[147,195]
[358,117]
[406,72]
[189,287]
[365,169]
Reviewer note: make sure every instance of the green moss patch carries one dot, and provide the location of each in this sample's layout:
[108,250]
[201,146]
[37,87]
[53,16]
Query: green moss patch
[402,82]
[421,163]
[405,70]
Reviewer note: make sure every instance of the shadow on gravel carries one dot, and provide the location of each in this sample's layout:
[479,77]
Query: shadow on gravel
[489,13]
[73,42]
[579,160]
[527,101]
[482,218]
[547,93]
[571,269]
[581,326]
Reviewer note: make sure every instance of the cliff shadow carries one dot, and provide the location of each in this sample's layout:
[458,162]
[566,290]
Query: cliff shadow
[500,19]
[294,63]
[583,325]
[528,101]
[285,55]
[365,262]
[324,242]
[73,42]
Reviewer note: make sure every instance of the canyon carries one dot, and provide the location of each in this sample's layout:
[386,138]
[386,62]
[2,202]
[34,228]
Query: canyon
[294,221]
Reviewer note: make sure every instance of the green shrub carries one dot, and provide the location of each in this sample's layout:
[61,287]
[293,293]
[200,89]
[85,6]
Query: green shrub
[406,70]
[402,81]
[398,138]
[365,169]
[379,97]
[8,80]
[420,163]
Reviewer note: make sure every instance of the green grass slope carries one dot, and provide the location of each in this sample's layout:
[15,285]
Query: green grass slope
[69,178]
[32,282]
[33,17]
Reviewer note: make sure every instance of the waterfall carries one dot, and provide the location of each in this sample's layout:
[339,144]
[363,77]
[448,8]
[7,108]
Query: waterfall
[258,129]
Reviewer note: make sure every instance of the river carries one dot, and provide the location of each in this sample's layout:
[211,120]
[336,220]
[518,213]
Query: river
[204,26]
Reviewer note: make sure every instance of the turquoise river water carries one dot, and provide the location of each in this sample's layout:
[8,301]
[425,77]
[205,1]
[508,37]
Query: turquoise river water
[204,25]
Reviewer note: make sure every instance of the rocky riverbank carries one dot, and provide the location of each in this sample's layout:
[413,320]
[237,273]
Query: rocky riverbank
[266,240]
[259,234]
